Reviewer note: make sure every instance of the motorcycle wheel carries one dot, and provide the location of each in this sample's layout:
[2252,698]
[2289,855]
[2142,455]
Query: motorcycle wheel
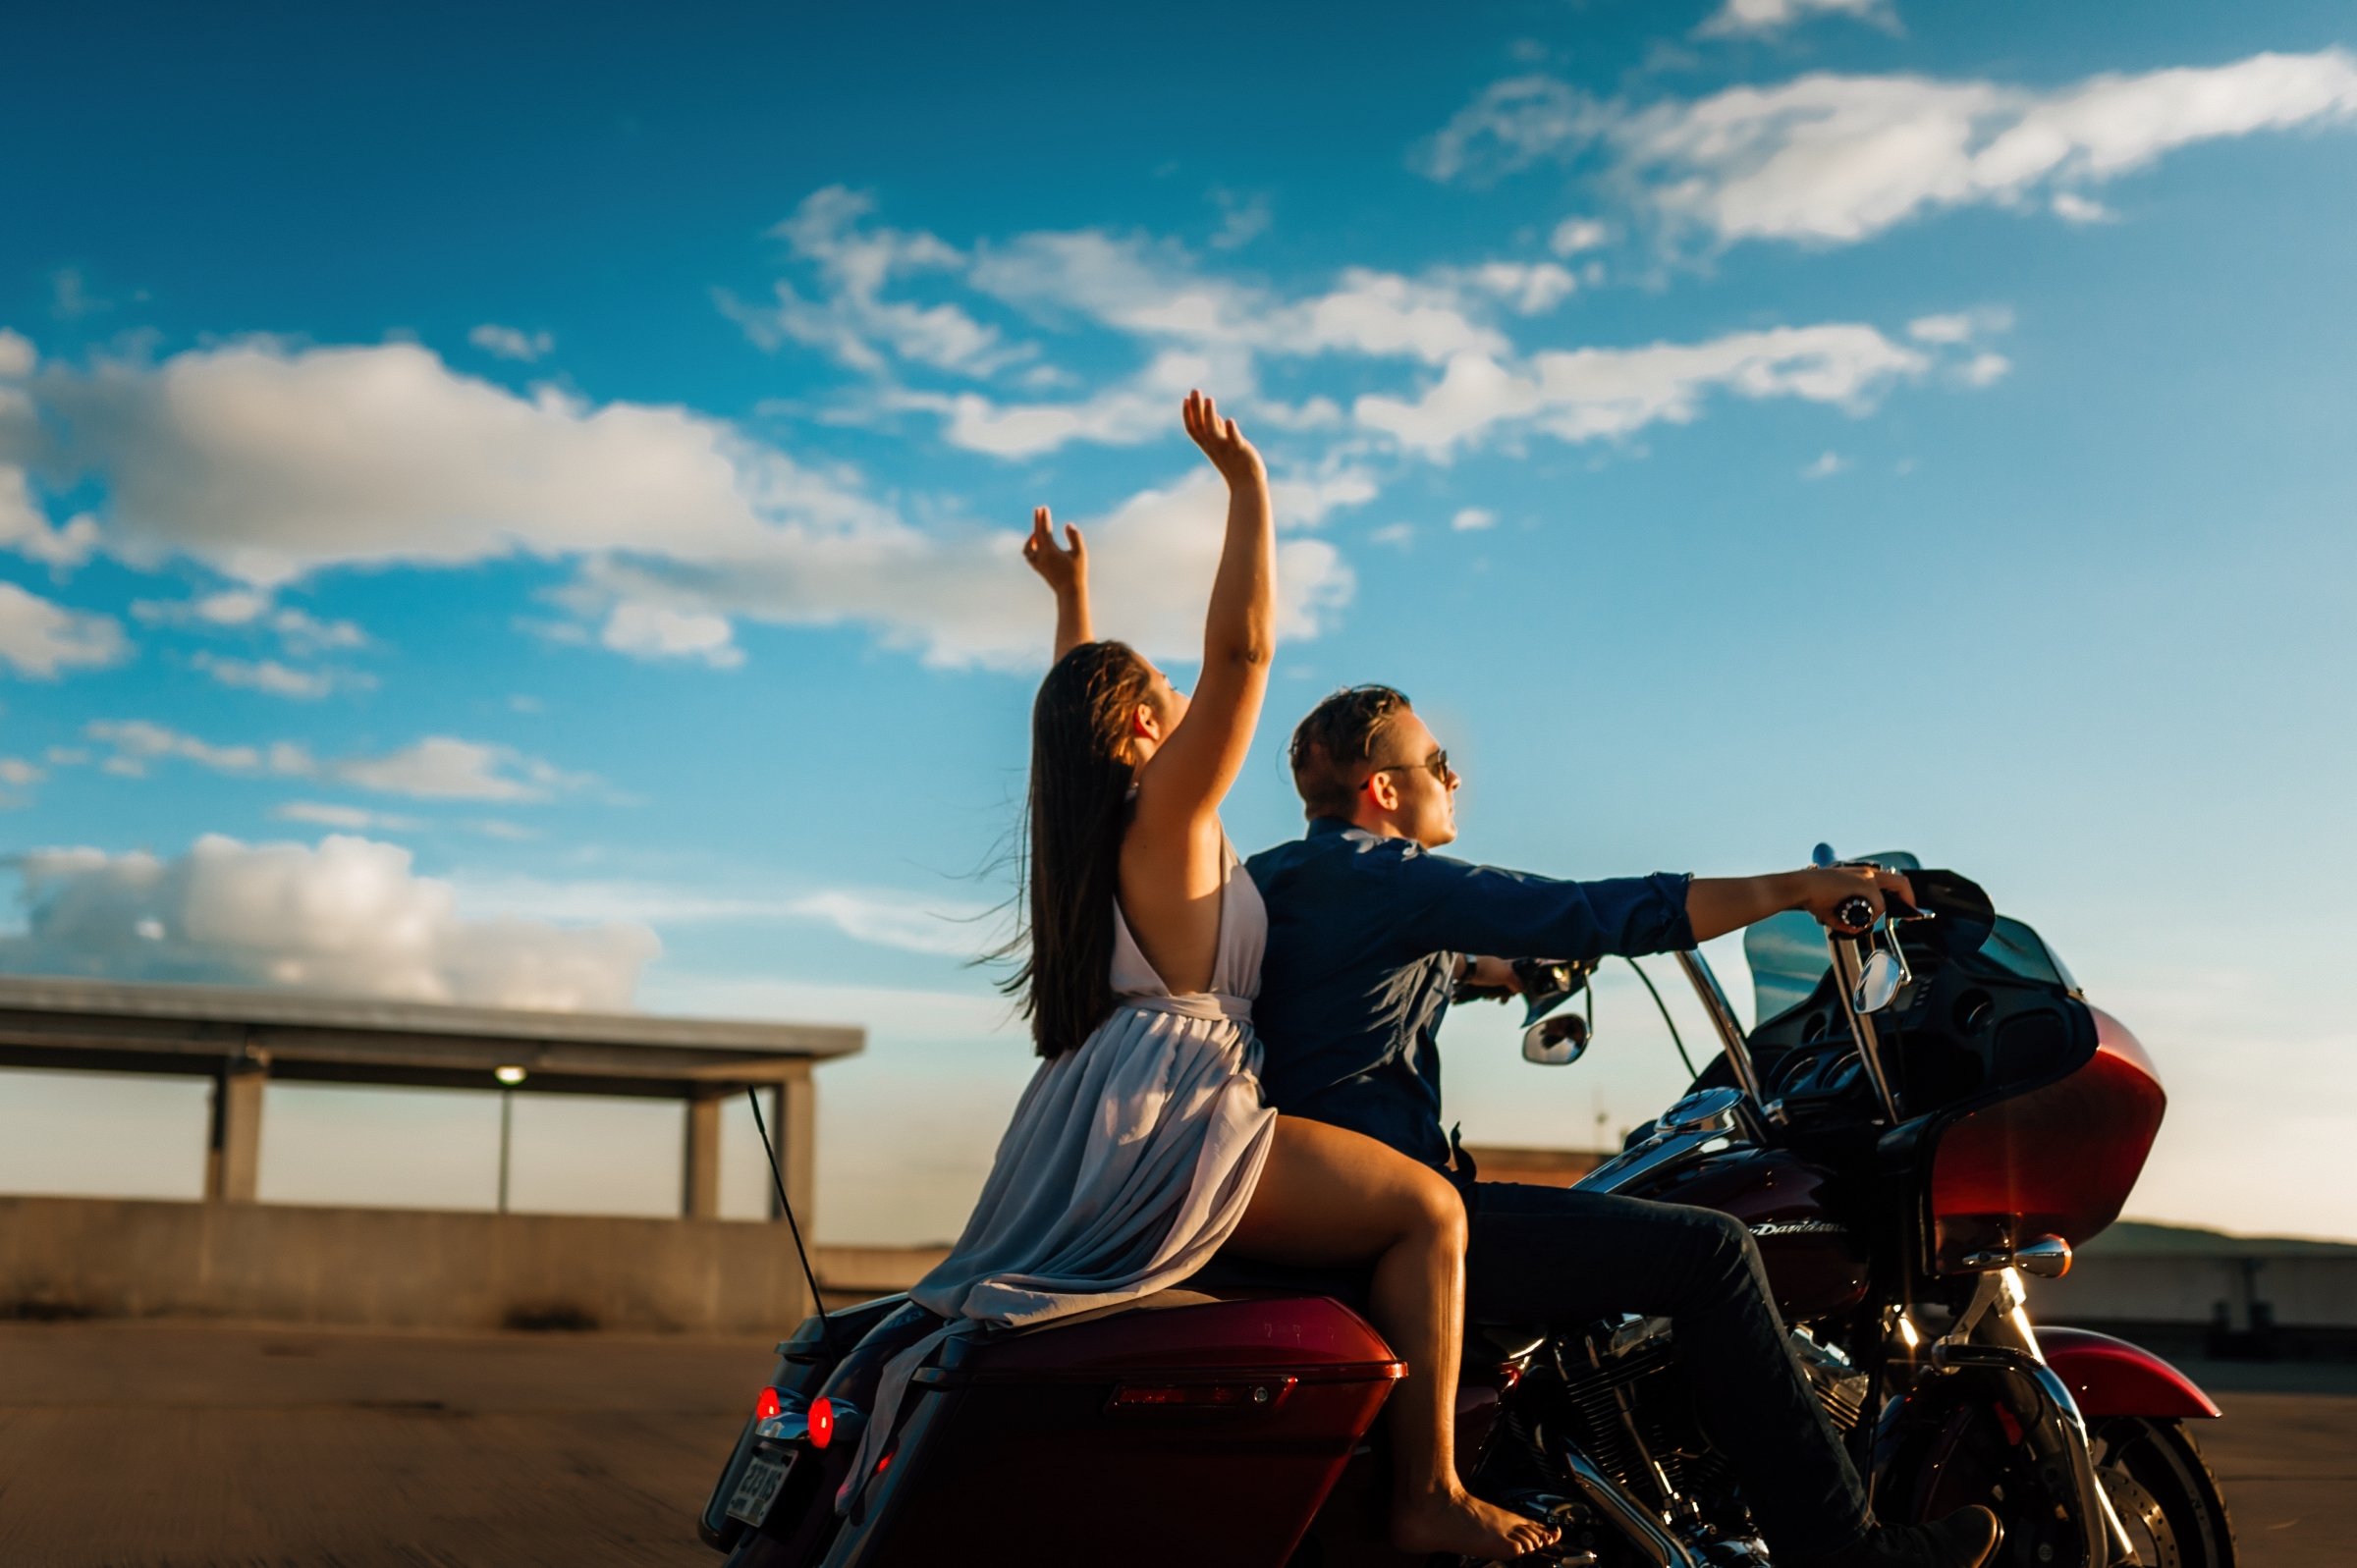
[2159,1483]
[2164,1493]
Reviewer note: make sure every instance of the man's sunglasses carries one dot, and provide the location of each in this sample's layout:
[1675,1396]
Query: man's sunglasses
[1436,765]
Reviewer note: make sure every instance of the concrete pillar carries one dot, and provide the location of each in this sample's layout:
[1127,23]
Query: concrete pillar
[232,1156]
[795,1121]
[699,1187]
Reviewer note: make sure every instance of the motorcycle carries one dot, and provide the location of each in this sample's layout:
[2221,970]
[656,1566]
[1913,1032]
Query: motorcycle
[1932,1112]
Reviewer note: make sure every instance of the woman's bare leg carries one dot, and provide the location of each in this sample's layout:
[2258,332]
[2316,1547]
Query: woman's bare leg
[1329,1197]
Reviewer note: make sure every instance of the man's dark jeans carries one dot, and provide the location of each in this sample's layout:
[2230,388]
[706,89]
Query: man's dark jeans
[1548,1255]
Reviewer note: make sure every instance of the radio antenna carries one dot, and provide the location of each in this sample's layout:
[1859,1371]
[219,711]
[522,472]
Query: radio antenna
[826,1332]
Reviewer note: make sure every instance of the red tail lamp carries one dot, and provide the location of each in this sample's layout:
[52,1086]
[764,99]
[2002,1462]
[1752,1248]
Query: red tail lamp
[822,1423]
[767,1405]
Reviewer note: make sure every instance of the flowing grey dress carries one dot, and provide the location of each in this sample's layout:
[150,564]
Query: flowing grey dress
[1128,1163]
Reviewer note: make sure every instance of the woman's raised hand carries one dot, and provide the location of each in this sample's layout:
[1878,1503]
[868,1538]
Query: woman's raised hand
[1062,567]
[1065,570]
[1236,459]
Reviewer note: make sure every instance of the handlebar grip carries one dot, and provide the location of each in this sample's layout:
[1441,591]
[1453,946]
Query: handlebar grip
[1856,911]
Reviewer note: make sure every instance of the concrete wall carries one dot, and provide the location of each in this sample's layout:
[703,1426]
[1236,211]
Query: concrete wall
[394,1268]
[2303,1291]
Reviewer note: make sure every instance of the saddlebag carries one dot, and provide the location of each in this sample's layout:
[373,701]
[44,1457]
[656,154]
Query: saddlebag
[1190,1428]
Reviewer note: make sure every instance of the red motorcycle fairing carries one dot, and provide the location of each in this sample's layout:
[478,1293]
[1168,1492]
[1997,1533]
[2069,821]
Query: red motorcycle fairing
[1190,1428]
[2110,1376]
[2058,1158]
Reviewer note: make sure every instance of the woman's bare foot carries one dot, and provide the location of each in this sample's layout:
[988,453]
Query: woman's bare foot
[1462,1524]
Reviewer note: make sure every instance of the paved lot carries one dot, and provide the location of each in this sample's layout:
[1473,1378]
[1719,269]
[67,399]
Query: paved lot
[151,1445]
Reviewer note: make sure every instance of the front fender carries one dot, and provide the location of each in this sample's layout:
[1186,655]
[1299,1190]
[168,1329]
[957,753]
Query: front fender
[2110,1376]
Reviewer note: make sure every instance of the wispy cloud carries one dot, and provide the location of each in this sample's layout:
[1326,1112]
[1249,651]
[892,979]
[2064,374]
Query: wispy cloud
[41,638]
[1830,159]
[277,679]
[946,926]
[348,916]
[675,523]
[1739,16]
[512,342]
[436,768]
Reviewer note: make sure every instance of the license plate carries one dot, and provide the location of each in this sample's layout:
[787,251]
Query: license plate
[756,1490]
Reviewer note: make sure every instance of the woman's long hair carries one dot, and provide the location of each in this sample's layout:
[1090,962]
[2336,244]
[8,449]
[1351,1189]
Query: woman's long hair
[1080,777]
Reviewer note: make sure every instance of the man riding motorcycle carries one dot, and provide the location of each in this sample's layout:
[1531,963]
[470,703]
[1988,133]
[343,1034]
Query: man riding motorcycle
[1367,932]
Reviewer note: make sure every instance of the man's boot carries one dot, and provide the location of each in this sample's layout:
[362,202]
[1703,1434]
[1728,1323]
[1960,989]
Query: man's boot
[1965,1539]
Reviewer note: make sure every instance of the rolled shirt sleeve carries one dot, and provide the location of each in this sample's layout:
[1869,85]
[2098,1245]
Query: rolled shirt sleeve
[1456,906]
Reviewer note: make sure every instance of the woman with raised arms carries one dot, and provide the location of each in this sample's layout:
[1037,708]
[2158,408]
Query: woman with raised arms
[1141,1147]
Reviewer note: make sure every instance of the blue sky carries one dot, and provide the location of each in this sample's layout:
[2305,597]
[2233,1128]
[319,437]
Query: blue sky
[523,508]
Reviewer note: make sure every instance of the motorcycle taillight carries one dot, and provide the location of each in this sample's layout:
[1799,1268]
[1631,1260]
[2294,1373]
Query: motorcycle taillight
[766,1405]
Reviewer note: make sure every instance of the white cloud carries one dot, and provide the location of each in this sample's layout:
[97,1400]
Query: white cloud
[1584,394]
[1474,518]
[661,631]
[1242,220]
[17,772]
[951,927]
[1511,124]
[1985,369]
[854,323]
[70,297]
[300,633]
[511,342]
[305,633]
[1826,467]
[1773,16]
[912,925]
[438,767]
[958,600]
[348,917]
[18,356]
[41,638]
[267,464]
[1832,158]
[25,530]
[1953,328]
[139,741]
[2071,207]
[348,819]
[1575,235]
[275,678]
[1398,535]
[443,768]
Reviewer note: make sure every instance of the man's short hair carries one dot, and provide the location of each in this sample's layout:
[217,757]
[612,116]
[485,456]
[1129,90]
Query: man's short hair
[1333,746]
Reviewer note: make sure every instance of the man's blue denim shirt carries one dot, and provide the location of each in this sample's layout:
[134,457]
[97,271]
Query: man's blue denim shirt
[1364,934]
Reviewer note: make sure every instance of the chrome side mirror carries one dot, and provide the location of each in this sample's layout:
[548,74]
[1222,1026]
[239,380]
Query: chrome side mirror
[1556,1042]
[1885,975]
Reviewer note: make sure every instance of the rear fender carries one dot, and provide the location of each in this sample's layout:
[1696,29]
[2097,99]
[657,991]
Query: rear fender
[2110,1376]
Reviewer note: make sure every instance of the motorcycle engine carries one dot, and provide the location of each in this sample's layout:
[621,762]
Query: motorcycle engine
[1634,1413]
[1841,1387]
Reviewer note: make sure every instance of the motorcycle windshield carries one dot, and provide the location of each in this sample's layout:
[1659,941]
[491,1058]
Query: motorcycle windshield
[1787,957]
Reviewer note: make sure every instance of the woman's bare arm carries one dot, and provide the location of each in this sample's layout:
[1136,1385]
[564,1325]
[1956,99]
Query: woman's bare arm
[1188,776]
[1067,571]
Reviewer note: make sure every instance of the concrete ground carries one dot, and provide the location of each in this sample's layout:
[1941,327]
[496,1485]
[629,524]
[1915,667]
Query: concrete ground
[169,1445]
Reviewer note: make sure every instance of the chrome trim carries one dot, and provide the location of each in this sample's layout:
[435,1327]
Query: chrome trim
[1723,1020]
[1704,1111]
[2047,1256]
[1861,1025]
[2062,1430]
[1636,1522]
[1661,1150]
